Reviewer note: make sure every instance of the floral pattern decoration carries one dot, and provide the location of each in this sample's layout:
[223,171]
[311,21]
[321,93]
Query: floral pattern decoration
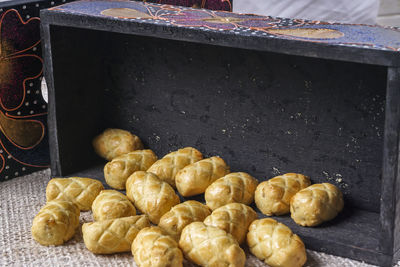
[22,128]
[218,20]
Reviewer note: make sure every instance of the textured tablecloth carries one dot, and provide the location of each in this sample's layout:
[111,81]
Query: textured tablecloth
[20,200]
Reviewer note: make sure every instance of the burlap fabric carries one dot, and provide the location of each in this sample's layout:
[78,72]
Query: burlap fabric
[20,200]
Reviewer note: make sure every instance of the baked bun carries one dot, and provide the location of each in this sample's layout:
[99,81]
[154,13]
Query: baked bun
[210,246]
[316,204]
[272,197]
[113,235]
[195,178]
[117,171]
[55,223]
[275,244]
[153,247]
[236,187]
[181,215]
[167,167]
[151,195]
[233,218]
[111,204]
[115,142]
[80,191]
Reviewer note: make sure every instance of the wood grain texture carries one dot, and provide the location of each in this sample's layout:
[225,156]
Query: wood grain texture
[390,161]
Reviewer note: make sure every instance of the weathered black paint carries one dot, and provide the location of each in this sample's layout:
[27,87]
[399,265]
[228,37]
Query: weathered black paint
[263,112]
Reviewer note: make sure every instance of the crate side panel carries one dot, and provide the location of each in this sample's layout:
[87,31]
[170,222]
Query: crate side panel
[391,201]
[78,89]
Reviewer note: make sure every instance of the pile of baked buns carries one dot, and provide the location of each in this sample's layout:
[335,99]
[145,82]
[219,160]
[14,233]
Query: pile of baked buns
[210,234]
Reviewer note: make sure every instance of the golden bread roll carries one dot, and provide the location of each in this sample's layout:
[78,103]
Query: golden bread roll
[181,215]
[55,223]
[80,191]
[210,246]
[150,195]
[272,197]
[117,171]
[236,187]
[111,204]
[115,142]
[167,167]
[316,204]
[233,218]
[114,235]
[195,178]
[153,247]
[275,244]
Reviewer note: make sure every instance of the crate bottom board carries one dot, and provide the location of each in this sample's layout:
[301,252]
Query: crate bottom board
[353,234]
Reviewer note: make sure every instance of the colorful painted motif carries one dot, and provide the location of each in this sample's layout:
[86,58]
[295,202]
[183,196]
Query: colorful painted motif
[363,36]
[23,112]
[218,20]
[208,4]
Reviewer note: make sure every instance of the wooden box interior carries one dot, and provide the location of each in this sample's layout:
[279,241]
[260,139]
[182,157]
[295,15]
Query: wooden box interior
[264,113]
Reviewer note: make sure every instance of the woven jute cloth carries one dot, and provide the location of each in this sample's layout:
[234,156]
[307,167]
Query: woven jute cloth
[20,200]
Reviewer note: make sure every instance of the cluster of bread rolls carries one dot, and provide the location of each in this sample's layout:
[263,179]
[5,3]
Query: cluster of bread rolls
[209,234]
[309,205]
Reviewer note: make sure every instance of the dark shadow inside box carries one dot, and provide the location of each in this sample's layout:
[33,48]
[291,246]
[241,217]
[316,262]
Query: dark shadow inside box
[264,113]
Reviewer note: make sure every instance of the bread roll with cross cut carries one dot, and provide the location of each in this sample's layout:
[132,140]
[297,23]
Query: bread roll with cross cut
[181,215]
[151,195]
[275,244]
[115,142]
[117,171]
[113,235]
[316,204]
[272,197]
[153,247]
[210,246]
[80,191]
[55,223]
[195,178]
[167,167]
[236,187]
[233,218]
[111,204]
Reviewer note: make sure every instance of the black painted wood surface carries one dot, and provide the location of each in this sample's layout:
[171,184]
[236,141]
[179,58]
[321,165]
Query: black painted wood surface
[265,113]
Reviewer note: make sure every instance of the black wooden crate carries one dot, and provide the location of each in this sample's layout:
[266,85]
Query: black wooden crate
[268,95]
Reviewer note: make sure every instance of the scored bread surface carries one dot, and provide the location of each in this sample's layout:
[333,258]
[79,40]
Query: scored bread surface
[116,142]
[151,195]
[153,247]
[233,218]
[195,178]
[236,187]
[167,167]
[111,204]
[210,246]
[55,223]
[275,244]
[181,215]
[272,197]
[117,171]
[316,204]
[80,191]
[113,235]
